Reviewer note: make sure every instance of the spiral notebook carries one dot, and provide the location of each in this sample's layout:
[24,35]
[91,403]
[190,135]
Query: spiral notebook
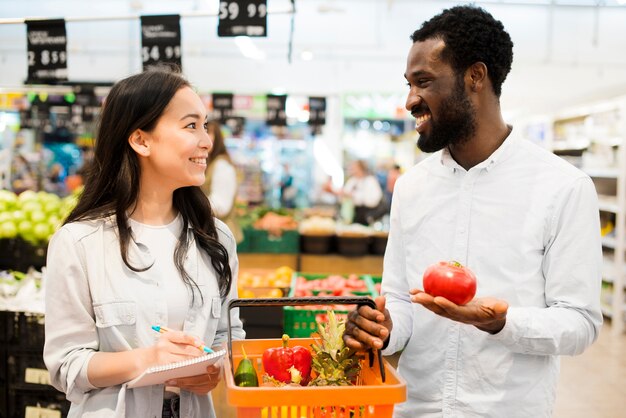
[160,374]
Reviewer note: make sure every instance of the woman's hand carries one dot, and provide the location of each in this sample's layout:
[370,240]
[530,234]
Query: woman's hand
[175,346]
[201,384]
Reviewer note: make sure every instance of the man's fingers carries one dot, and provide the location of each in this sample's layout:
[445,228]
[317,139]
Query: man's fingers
[360,340]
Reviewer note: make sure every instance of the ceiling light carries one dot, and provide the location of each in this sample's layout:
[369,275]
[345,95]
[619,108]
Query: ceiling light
[306,55]
[248,48]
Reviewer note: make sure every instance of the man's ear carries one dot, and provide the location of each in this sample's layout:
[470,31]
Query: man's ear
[139,142]
[477,76]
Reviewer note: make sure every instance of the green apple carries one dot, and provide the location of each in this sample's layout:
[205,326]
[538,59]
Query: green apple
[42,232]
[27,195]
[38,217]
[31,206]
[6,216]
[18,216]
[8,229]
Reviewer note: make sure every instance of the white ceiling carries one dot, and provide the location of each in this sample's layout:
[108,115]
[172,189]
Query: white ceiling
[565,52]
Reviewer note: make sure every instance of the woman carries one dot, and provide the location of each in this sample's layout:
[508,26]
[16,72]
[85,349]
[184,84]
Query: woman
[140,249]
[220,185]
[365,192]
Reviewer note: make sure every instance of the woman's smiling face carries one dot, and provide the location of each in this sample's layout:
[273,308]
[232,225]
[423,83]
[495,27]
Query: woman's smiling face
[178,146]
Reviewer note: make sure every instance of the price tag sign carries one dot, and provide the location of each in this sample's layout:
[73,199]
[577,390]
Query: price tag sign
[276,113]
[242,18]
[317,111]
[47,51]
[160,40]
[222,105]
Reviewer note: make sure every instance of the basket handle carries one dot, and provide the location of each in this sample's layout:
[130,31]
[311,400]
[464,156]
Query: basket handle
[302,301]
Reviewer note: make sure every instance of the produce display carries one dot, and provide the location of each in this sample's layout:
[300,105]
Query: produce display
[318,225]
[450,280]
[332,285]
[260,283]
[32,216]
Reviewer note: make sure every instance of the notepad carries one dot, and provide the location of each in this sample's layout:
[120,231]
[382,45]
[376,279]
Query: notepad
[156,375]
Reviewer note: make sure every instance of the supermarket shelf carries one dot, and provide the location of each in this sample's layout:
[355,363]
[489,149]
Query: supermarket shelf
[608,241]
[608,173]
[267,261]
[608,203]
[338,264]
[608,270]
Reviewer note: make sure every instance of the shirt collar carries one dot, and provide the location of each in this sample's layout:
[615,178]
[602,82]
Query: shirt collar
[500,154]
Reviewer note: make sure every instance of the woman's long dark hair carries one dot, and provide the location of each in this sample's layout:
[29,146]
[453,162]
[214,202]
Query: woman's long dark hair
[112,183]
[219,146]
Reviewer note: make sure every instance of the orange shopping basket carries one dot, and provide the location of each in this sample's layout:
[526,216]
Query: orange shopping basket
[378,387]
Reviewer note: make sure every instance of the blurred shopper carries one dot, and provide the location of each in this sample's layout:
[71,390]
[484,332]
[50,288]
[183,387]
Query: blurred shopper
[524,220]
[365,192]
[141,248]
[220,185]
[392,176]
[23,176]
[288,190]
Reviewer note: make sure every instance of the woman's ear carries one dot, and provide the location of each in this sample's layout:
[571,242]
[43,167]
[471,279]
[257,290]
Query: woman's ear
[139,142]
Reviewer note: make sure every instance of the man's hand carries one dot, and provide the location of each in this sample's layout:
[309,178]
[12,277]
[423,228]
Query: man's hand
[486,314]
[367,327]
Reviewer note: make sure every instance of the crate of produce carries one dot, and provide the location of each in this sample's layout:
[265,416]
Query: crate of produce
[379,242]
[317,243]
[377,281]
[264,283]
[317,235]
[27,370]
[37,403]
[3,382]
[301,321]
[24,330]
[274,242]
[9,253]
[373,392]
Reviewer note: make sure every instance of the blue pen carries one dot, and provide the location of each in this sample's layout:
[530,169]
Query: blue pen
[200,346]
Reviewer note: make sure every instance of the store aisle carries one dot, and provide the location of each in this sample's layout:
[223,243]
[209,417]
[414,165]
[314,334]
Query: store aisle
[593,385]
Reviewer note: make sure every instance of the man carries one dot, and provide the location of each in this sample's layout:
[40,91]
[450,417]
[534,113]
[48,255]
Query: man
[525,222]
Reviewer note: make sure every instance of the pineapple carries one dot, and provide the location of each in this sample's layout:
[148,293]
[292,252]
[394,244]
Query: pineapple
[334,363]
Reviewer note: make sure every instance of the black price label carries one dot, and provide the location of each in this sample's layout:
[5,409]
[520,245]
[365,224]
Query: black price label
[276,113]
[317,111]
[222,105]
[47,50]
[160,40]
[242,18]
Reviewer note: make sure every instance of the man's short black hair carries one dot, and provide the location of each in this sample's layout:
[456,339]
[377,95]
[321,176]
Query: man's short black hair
[471,35]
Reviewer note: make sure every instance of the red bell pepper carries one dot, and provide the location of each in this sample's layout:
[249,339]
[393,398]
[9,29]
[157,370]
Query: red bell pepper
[288,364]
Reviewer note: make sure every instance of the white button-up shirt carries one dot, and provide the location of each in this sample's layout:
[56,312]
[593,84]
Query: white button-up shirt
[94,302]
[527,224]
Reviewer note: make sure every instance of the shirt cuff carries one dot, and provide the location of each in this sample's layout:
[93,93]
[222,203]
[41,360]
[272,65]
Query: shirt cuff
[516,323]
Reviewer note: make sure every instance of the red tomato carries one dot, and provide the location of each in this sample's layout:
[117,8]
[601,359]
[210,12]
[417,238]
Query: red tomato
[450,280]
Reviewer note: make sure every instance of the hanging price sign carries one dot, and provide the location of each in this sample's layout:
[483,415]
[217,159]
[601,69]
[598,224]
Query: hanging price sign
[276,113]
[47,51]
[242,18]
[222,105]
[160,40]
[317,111]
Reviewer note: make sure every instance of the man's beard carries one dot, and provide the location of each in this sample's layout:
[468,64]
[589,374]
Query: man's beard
[456,122]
